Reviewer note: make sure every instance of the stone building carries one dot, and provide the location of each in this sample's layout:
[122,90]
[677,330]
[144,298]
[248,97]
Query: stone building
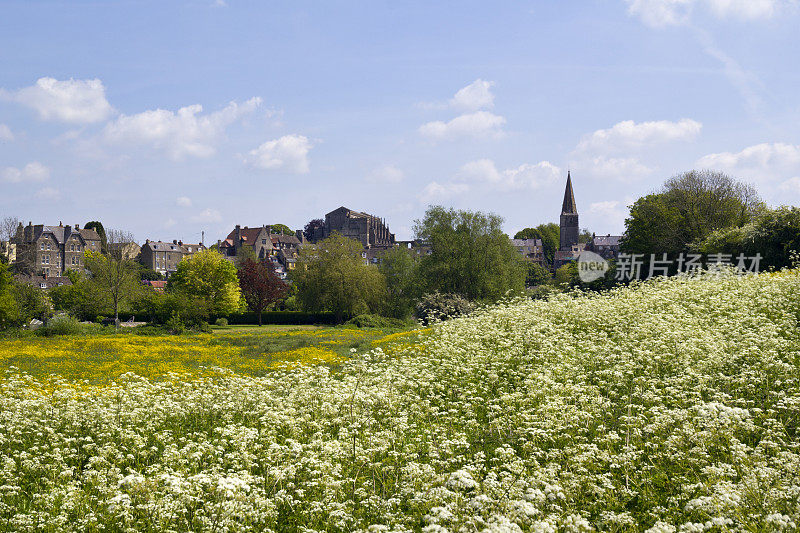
[164,257]
[50,250]
[606,246]
[368,229]
[569,248]
[530,249]
[281,249]
[9,250]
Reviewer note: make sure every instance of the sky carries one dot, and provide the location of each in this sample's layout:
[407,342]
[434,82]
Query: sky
[168,119]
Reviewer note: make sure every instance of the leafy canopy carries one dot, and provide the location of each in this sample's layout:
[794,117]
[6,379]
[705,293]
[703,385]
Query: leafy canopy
[209,277]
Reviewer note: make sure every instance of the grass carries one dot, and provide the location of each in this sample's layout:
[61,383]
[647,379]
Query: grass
[246,350]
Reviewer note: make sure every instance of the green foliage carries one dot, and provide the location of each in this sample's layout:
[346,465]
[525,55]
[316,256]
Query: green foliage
[775,234]
[470,255]
[688,208]
[567,276]
[376,321]
[221,322]
[537,275]
[82,300]
[332,276]
[210,278]
[8,306]
[32,302]
[114,278]
[549,234]
[435,307]
[174,324]
[148,274]
[281,229]
[159,307]
[61,325]
[399,268]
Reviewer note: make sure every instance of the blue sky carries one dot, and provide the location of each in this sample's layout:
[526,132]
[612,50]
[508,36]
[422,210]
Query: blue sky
[172,118]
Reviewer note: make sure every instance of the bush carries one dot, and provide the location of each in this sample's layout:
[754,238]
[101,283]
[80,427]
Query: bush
[435,307]
[221,322]
[174,324]
[60,325]
[375,321]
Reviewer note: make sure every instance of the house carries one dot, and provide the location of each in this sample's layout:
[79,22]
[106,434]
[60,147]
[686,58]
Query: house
[157,285]
[51,250]
[530,249]
[606,246]
[125,250]
[44,282]
[164,257]
[281,249]
[9,250]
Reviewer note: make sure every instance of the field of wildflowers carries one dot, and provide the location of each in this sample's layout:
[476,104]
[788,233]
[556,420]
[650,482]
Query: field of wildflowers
[670,406]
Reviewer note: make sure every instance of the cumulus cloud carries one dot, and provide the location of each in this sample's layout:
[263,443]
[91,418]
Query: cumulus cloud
[628,135]
[287,154]
[75,101]
[386,174]
[183,201]
[435,191]
[32,172]
[659,13]
[207,215]
[526,176]
[48,193]
[477,95]
[760,162]
[480,124]
[5,134]
[186,132]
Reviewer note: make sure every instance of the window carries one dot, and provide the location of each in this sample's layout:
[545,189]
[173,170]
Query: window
[42,259]
[48,245]
[263,241]
[41,246]
[43,285]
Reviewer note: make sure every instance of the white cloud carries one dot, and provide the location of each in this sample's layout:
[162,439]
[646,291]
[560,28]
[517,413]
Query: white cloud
[624,169]
[660,13]
[33,172]
[436,191]
[186,132]
[219,3]
[526,176]
[208,215]
[183,201]
[48,193]
[628,135]
[386,174]
[288,154]
[5,134]
[477,95]
[76,101]
[480,124]
[791,185]
[761,162]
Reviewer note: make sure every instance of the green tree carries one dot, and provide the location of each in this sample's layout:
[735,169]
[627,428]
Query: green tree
[8,305]
[210,278]
[470,255]
[536,275]
[688,208]
[260,285]
[399,268]
[32,302]
[281,228]
[549,234]
[331,276]
[114,275]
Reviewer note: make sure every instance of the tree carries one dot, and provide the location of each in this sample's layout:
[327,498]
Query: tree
[332,276]
[470,255]
[536,275]
[114,275]
[98,227]
[8,305]
[148,274]
[32,302]
[210,278]
[688,208]
[549,234]
[398,267]
[260,285]
[281,228]
[8,228]
[313,225]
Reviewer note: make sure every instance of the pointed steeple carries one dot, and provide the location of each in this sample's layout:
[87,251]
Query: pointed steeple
[568,207]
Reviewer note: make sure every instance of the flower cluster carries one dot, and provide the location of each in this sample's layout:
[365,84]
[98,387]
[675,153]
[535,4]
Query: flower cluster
[668,406]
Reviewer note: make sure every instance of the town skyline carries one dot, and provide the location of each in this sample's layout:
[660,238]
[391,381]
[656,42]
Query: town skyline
[233,113]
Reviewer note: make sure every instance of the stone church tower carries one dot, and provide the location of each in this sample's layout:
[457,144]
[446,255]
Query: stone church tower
[569,219]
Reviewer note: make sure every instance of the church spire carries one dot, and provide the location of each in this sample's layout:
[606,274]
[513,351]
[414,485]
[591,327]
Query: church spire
[568,207]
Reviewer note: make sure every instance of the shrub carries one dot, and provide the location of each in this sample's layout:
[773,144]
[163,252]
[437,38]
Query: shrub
[375,321]
[60,325]
[175,325]
[435,307]
[221,322]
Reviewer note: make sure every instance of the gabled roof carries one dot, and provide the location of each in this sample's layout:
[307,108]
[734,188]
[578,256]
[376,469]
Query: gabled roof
[526,242]
[249,235]
[569,207]
[606,240]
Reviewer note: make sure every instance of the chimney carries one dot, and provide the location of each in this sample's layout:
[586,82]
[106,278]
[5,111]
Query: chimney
[77,227]
[300,236]
[67,230]
[174,241]
[60,224]
[147,241]
[180,243]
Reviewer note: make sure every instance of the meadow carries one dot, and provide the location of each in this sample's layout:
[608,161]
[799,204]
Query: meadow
[670,406]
